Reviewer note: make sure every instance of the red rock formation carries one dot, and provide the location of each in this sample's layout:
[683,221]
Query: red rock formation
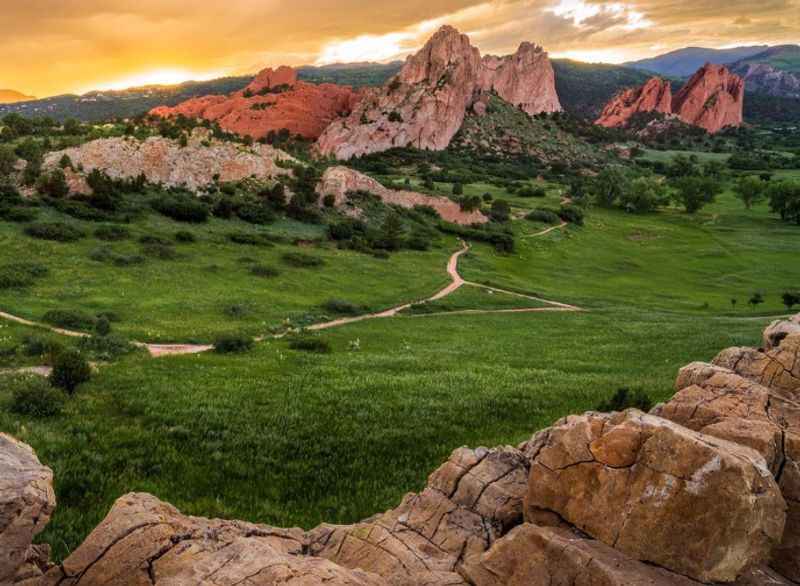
[524,79]
[712,99]
[274,100]
[654,96]
[425,104]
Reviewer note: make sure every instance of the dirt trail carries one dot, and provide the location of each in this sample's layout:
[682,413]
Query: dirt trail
[456,282]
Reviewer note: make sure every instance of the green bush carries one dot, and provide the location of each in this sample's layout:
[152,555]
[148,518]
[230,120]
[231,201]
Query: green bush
[34,396]
[299,259]
[545,216]
[264,271]
[106,347]
[70,370]
[532,192]
[250,239]
[17,214]
[343,307]
[41,347]
[233,344]
[112,233]
[626,398]
[154,239]
[107,255]
[571,214]
[55,231]
[258,214]
[185,237]
[182,209]
[70,319]
[17,275]
[159,251]
[310,344]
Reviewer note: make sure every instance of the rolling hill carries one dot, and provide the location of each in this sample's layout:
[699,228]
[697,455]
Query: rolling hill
[684,62]
[13,96]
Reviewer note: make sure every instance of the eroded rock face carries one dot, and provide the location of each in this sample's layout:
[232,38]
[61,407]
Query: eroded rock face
[468,503]
[777,368]
[712,99]
[714,400]
[778,330]
[532,555]
[525,79]
[164,161]
[26,503]
[145,541]
[339,181]
[274,100]
[654,96]
[425,104]
[660,493]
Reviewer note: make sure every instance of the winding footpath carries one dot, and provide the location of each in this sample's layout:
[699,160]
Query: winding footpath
[456,282]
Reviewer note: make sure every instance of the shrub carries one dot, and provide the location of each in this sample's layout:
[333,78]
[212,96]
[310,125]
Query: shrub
[233,344]
[185,237]
[153,239]
[299,259]
[500,211]
[342,307]
[159,251]
[34,396]
[309,344]
[41,346]
[105,347]
[103,326]
[532,192]
[249,239]
[54,184]
[545,216]
[69,318]
[182,209]
[255,214]
[17,214]
[264,271]
[112,233]
[18,275]
[626,398]
[237,310]
[70,370]
[55,231]
[418,241]
[571,214]
[106,255]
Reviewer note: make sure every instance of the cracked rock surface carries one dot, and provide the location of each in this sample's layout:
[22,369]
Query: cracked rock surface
[143,541]
[777,367]
[658,492]
[26,503]
[468,503]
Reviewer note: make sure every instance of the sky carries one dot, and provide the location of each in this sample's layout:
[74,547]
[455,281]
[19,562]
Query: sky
[50,47]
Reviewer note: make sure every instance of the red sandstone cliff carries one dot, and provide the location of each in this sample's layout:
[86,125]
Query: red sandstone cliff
[654,96]
[712,99]
[425,104]
[274,100]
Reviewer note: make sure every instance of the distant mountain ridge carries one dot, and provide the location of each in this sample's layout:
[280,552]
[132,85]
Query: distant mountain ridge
[13,96]
[684,62]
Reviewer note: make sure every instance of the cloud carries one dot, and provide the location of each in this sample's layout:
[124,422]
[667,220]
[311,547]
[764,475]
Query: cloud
[52,46]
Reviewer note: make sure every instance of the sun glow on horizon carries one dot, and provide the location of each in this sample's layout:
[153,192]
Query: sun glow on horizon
[166,76]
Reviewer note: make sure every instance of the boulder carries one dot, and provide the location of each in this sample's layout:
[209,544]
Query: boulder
[532,555]
[340,181]
[26,502]
[716,401]
[778,330]
[468,502]
[275,100]
[653,96]
[777,368]
[425,104]
[658,492]
[712,99]
[165,161]
[144,541]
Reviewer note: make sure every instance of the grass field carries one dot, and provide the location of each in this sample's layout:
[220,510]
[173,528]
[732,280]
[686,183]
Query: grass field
[294,438]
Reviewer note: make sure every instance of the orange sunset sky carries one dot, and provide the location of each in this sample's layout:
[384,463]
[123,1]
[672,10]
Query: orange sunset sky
[58,46]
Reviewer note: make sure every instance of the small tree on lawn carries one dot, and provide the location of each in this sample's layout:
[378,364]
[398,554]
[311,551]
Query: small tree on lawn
[750,190]
[756,300]
[734,301]
[790,300]
[694,193]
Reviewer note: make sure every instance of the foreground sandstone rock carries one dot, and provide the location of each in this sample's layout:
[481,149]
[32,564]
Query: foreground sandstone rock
[165,161]
[425,104]
[145,541]
[26,503]
[712,99]
[275,100]
[658,492]
[339,181]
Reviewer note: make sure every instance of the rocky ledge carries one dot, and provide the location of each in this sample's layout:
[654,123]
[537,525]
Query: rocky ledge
[704,489]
